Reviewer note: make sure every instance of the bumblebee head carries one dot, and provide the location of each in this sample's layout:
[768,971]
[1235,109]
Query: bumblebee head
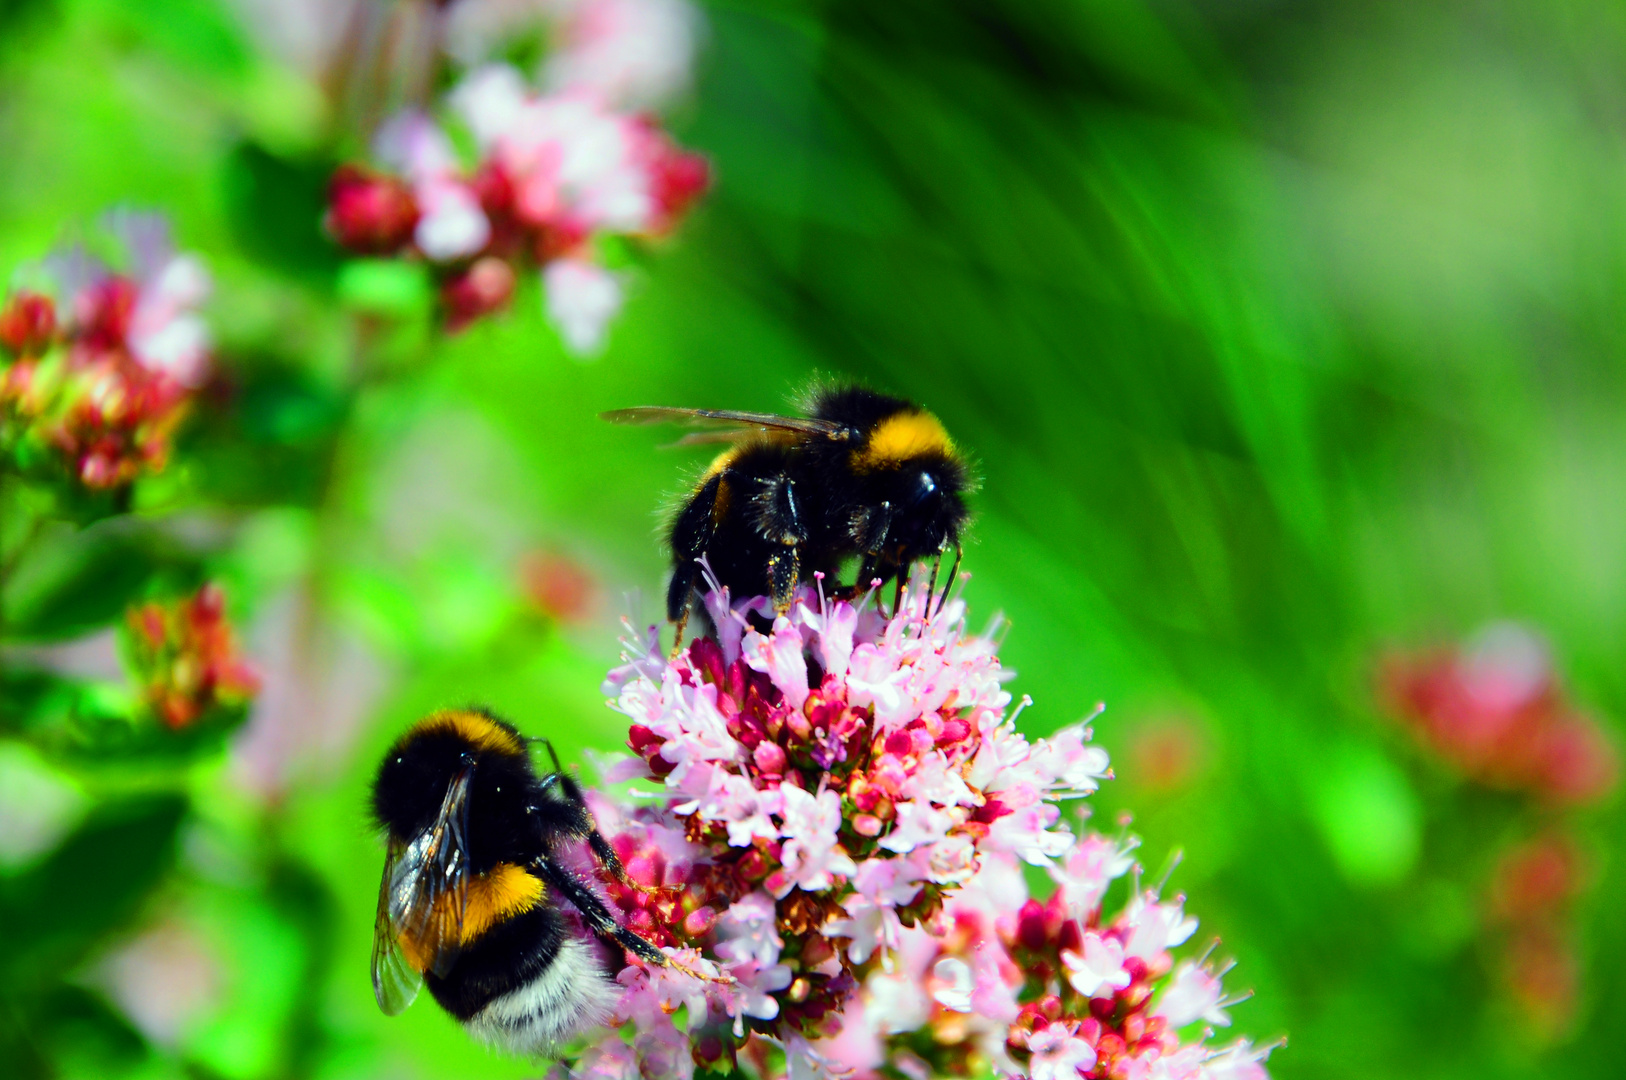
[927,494]
[417,771]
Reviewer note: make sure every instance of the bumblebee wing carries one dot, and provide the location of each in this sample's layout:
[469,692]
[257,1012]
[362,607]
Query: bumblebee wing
[395,982]
[734,425]
[422,903]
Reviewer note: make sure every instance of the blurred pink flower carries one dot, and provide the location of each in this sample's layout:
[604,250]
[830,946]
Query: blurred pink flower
[185,658]
[1494,709]
[581,298]
[99,377]
[554,173]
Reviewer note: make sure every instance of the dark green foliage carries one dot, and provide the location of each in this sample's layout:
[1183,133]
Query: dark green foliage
[275,204]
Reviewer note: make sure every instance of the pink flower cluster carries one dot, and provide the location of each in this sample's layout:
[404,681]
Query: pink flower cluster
[98,366]
[185,658]
[1495,710]
[835,850]
[635,54]
[1052,990]
[554,176]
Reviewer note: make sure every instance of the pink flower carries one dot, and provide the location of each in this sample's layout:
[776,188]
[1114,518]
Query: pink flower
[880,887]
[844,810]
[812,855]
[581,299]
[1194,993]
[1058,1054]
[1098,967]
[1239,1061]
[779,656]
[166,332]
[551,173]
[747,931]
[954,984]
[636,53]
[1092,864]
[1155,928]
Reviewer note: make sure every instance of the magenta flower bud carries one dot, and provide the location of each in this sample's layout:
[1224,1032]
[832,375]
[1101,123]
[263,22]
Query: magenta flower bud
[698,923]
[369,213]
[770,758]
[481,289]
[27,323]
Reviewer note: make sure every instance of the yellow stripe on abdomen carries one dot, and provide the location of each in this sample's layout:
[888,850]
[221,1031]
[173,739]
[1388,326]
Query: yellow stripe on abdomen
[508,890]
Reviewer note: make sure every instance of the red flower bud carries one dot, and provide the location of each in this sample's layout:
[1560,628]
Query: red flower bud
[481,289]
[27,323]
[679,179]
[369,213]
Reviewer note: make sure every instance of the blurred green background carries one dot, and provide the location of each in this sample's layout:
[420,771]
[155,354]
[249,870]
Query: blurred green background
[1281,332]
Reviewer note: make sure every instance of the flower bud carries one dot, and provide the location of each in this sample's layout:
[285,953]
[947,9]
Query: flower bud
[481,289]
[27,323]
[369,213]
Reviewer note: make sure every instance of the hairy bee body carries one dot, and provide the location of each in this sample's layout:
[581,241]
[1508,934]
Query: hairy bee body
[469,902]
[862,475]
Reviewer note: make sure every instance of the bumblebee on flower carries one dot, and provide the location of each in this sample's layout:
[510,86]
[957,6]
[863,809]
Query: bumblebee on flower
[844,806]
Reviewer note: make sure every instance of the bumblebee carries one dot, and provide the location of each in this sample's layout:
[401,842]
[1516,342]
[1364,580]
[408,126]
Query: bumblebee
[470,898]
[861,475]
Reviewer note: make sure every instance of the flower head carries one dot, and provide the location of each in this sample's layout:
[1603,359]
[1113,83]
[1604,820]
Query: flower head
[185,658]
[843,807]
[1495,710]
[556,173]
[98,368]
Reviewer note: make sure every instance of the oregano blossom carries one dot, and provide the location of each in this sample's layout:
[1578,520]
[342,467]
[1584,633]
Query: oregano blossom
[835,809]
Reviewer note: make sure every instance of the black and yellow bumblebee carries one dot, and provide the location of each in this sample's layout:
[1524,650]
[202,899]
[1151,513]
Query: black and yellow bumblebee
[469,902]
[862,475]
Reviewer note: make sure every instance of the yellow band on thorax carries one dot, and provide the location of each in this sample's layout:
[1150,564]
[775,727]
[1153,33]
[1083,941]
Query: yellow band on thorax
[901,437]
[482,731]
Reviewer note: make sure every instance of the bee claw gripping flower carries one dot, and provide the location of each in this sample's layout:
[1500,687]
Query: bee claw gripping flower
[832,861]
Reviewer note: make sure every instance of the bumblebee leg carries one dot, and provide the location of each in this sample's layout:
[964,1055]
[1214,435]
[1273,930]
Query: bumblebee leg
[868,574]
[677,632]
[870,529]
[784,571]
[954,571]
[691,536]
[570,816]
[778,519]
[597,916]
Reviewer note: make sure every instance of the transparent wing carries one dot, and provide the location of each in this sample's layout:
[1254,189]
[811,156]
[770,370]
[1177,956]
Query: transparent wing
[421,903]
[395,982]
[735,425]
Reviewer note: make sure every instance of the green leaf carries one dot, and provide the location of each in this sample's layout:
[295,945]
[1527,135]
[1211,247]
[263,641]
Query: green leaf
[276,204]
[51,916]
[71,581]
[390,287]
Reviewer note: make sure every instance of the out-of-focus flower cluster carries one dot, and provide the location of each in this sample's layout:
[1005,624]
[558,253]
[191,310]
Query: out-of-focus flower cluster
[1495,711]
[184,657]
[556,175]
[836,849]
[97,365]
[1530,904]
